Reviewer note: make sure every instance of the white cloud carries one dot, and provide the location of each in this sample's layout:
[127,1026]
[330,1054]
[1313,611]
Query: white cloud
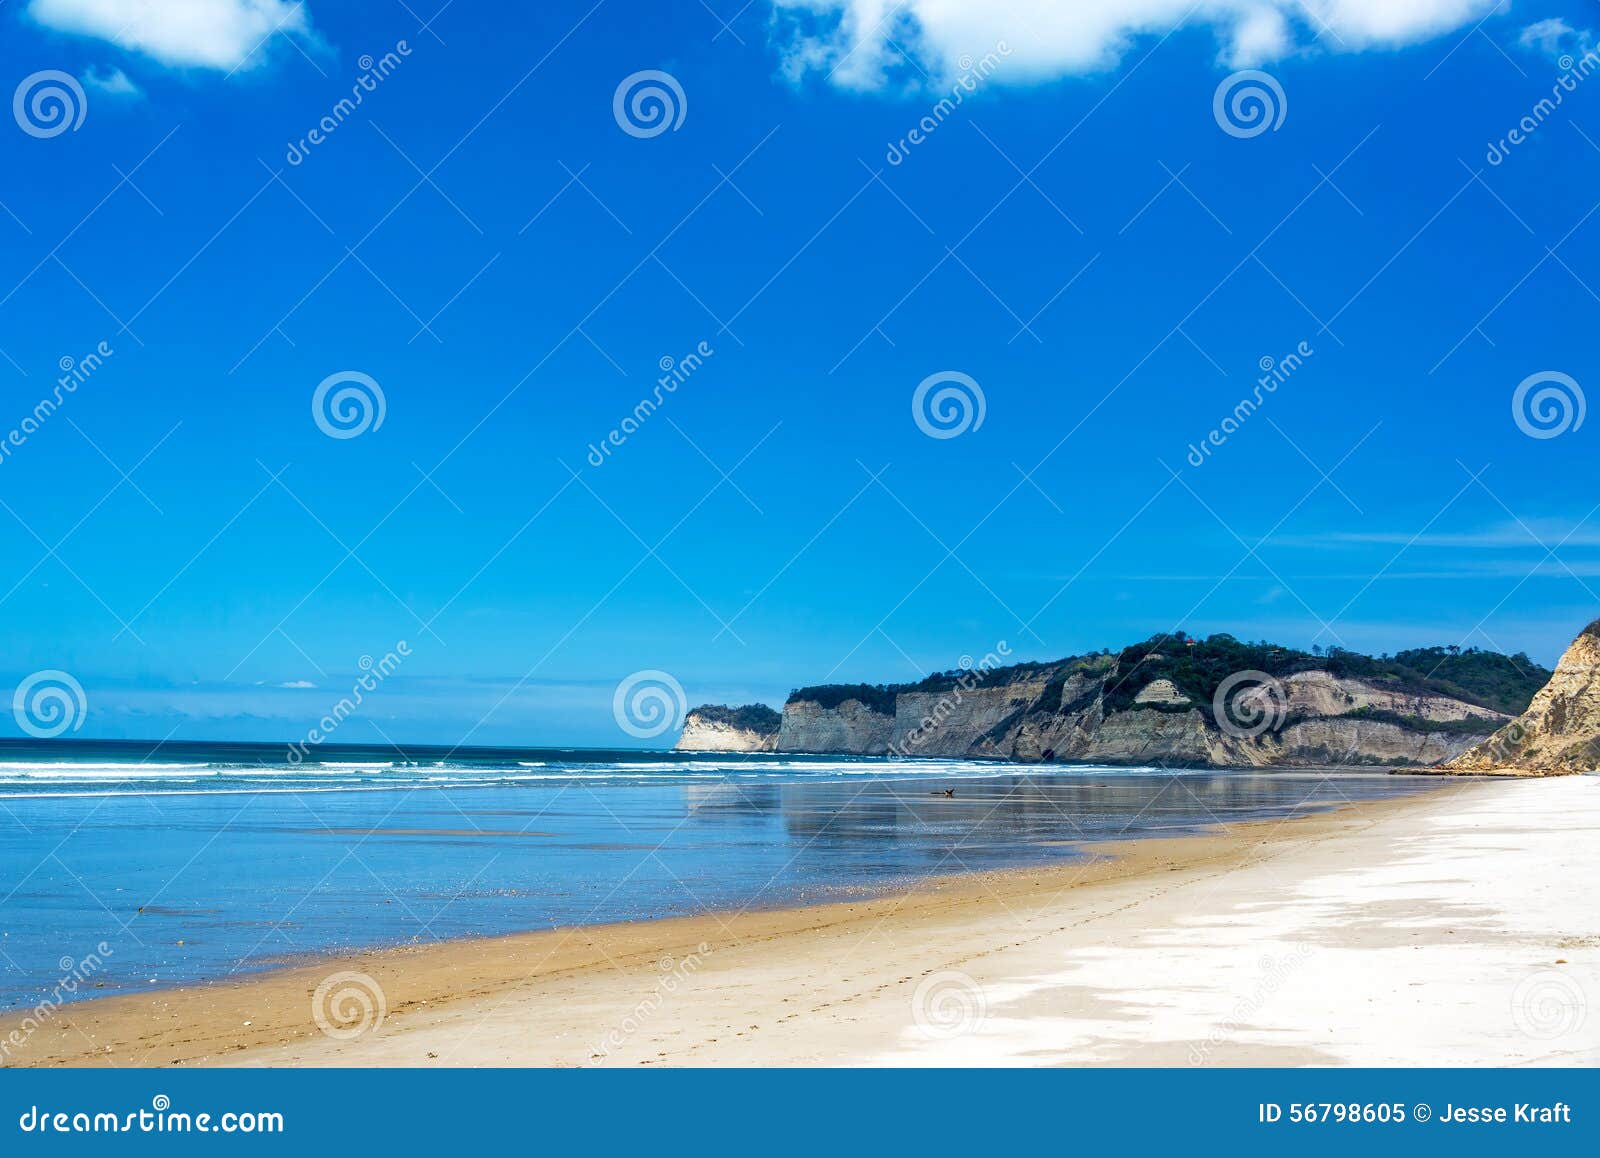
[111,81]
[858,43]
[1555,37]
[218,34]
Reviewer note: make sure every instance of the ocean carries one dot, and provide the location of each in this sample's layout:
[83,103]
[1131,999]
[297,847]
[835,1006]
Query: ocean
[128,867]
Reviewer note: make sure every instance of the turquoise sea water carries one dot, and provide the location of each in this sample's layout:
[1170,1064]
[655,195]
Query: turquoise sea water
[196,861]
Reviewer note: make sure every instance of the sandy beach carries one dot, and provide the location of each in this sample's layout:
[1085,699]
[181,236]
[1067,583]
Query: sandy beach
[1453,928]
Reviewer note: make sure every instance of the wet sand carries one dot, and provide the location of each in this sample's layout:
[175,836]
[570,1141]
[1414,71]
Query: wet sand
[1452,928]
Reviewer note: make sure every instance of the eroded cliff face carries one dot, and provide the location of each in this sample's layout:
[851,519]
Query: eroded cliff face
[1061,714]
[1559,734]
[851,728]
[1358,741]
[1317,693]
[701,734]
[957,726]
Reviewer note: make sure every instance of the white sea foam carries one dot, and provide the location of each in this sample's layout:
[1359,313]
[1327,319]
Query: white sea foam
[46,766]
[297,791]
[35,779]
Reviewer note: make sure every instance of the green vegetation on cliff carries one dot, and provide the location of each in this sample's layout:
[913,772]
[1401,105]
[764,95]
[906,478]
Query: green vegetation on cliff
[874,697]
[758,718]
[1199,666]
[1471,726]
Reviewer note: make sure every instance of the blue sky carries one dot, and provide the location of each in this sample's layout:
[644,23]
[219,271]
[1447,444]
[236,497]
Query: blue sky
[1079,236]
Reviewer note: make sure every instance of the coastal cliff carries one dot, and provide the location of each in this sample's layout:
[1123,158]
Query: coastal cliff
[1559,734]
[719,728]
[1177,701]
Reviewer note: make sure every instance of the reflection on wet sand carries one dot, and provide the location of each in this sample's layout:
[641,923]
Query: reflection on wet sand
[232,883]
[1009,819]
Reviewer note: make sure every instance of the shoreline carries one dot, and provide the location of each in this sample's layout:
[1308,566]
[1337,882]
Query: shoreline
[721,988]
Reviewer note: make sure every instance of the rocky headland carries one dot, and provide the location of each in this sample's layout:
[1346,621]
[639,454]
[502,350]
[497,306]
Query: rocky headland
[719,728]
[1180,701]
[1559,734]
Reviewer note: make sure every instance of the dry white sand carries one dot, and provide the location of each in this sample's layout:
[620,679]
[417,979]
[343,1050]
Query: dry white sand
[1464,933]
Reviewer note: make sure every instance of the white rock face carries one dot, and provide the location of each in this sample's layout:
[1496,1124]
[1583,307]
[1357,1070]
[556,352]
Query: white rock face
[1318,693]
[1161,691]
[702,735]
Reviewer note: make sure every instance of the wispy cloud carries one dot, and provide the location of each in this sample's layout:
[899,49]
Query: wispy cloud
[1536,534]
[860,43]
[225,35]
[111,81]
[1472,569]
[1555,38]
